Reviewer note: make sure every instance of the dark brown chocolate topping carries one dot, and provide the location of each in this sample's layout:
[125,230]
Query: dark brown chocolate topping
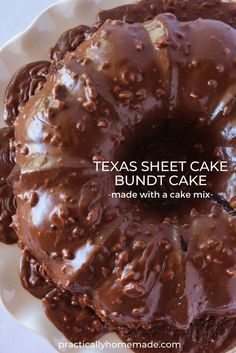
[184,10]
[69,313]
[209,334]
[69,41]
[34,277]
[26,82]
[129,85]
[7,199]
[79,324]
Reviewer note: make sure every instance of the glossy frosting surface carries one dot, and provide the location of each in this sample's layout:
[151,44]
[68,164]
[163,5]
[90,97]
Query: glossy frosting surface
[137,78]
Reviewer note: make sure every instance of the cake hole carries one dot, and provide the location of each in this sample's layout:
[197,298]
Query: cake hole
[176,141]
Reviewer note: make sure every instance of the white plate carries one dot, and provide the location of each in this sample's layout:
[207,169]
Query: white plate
[32,45]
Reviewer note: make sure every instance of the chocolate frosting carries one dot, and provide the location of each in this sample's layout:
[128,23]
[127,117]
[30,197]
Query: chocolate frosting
[25,83]
[133,82]
[7,199]
[184,10]
[69,41]
[79,323]
[33,276]
[71,315]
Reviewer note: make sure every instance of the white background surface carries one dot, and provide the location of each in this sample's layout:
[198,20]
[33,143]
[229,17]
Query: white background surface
[15,16]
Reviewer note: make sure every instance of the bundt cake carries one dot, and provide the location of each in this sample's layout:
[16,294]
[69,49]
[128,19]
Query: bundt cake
[153,81]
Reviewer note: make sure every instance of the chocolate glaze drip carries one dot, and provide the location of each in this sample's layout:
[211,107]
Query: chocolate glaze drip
[79,324]
[209,334]
[34,277]
[184,10]
[69,313]
[159,266]
[7,199]
[26,82]
[69,41]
